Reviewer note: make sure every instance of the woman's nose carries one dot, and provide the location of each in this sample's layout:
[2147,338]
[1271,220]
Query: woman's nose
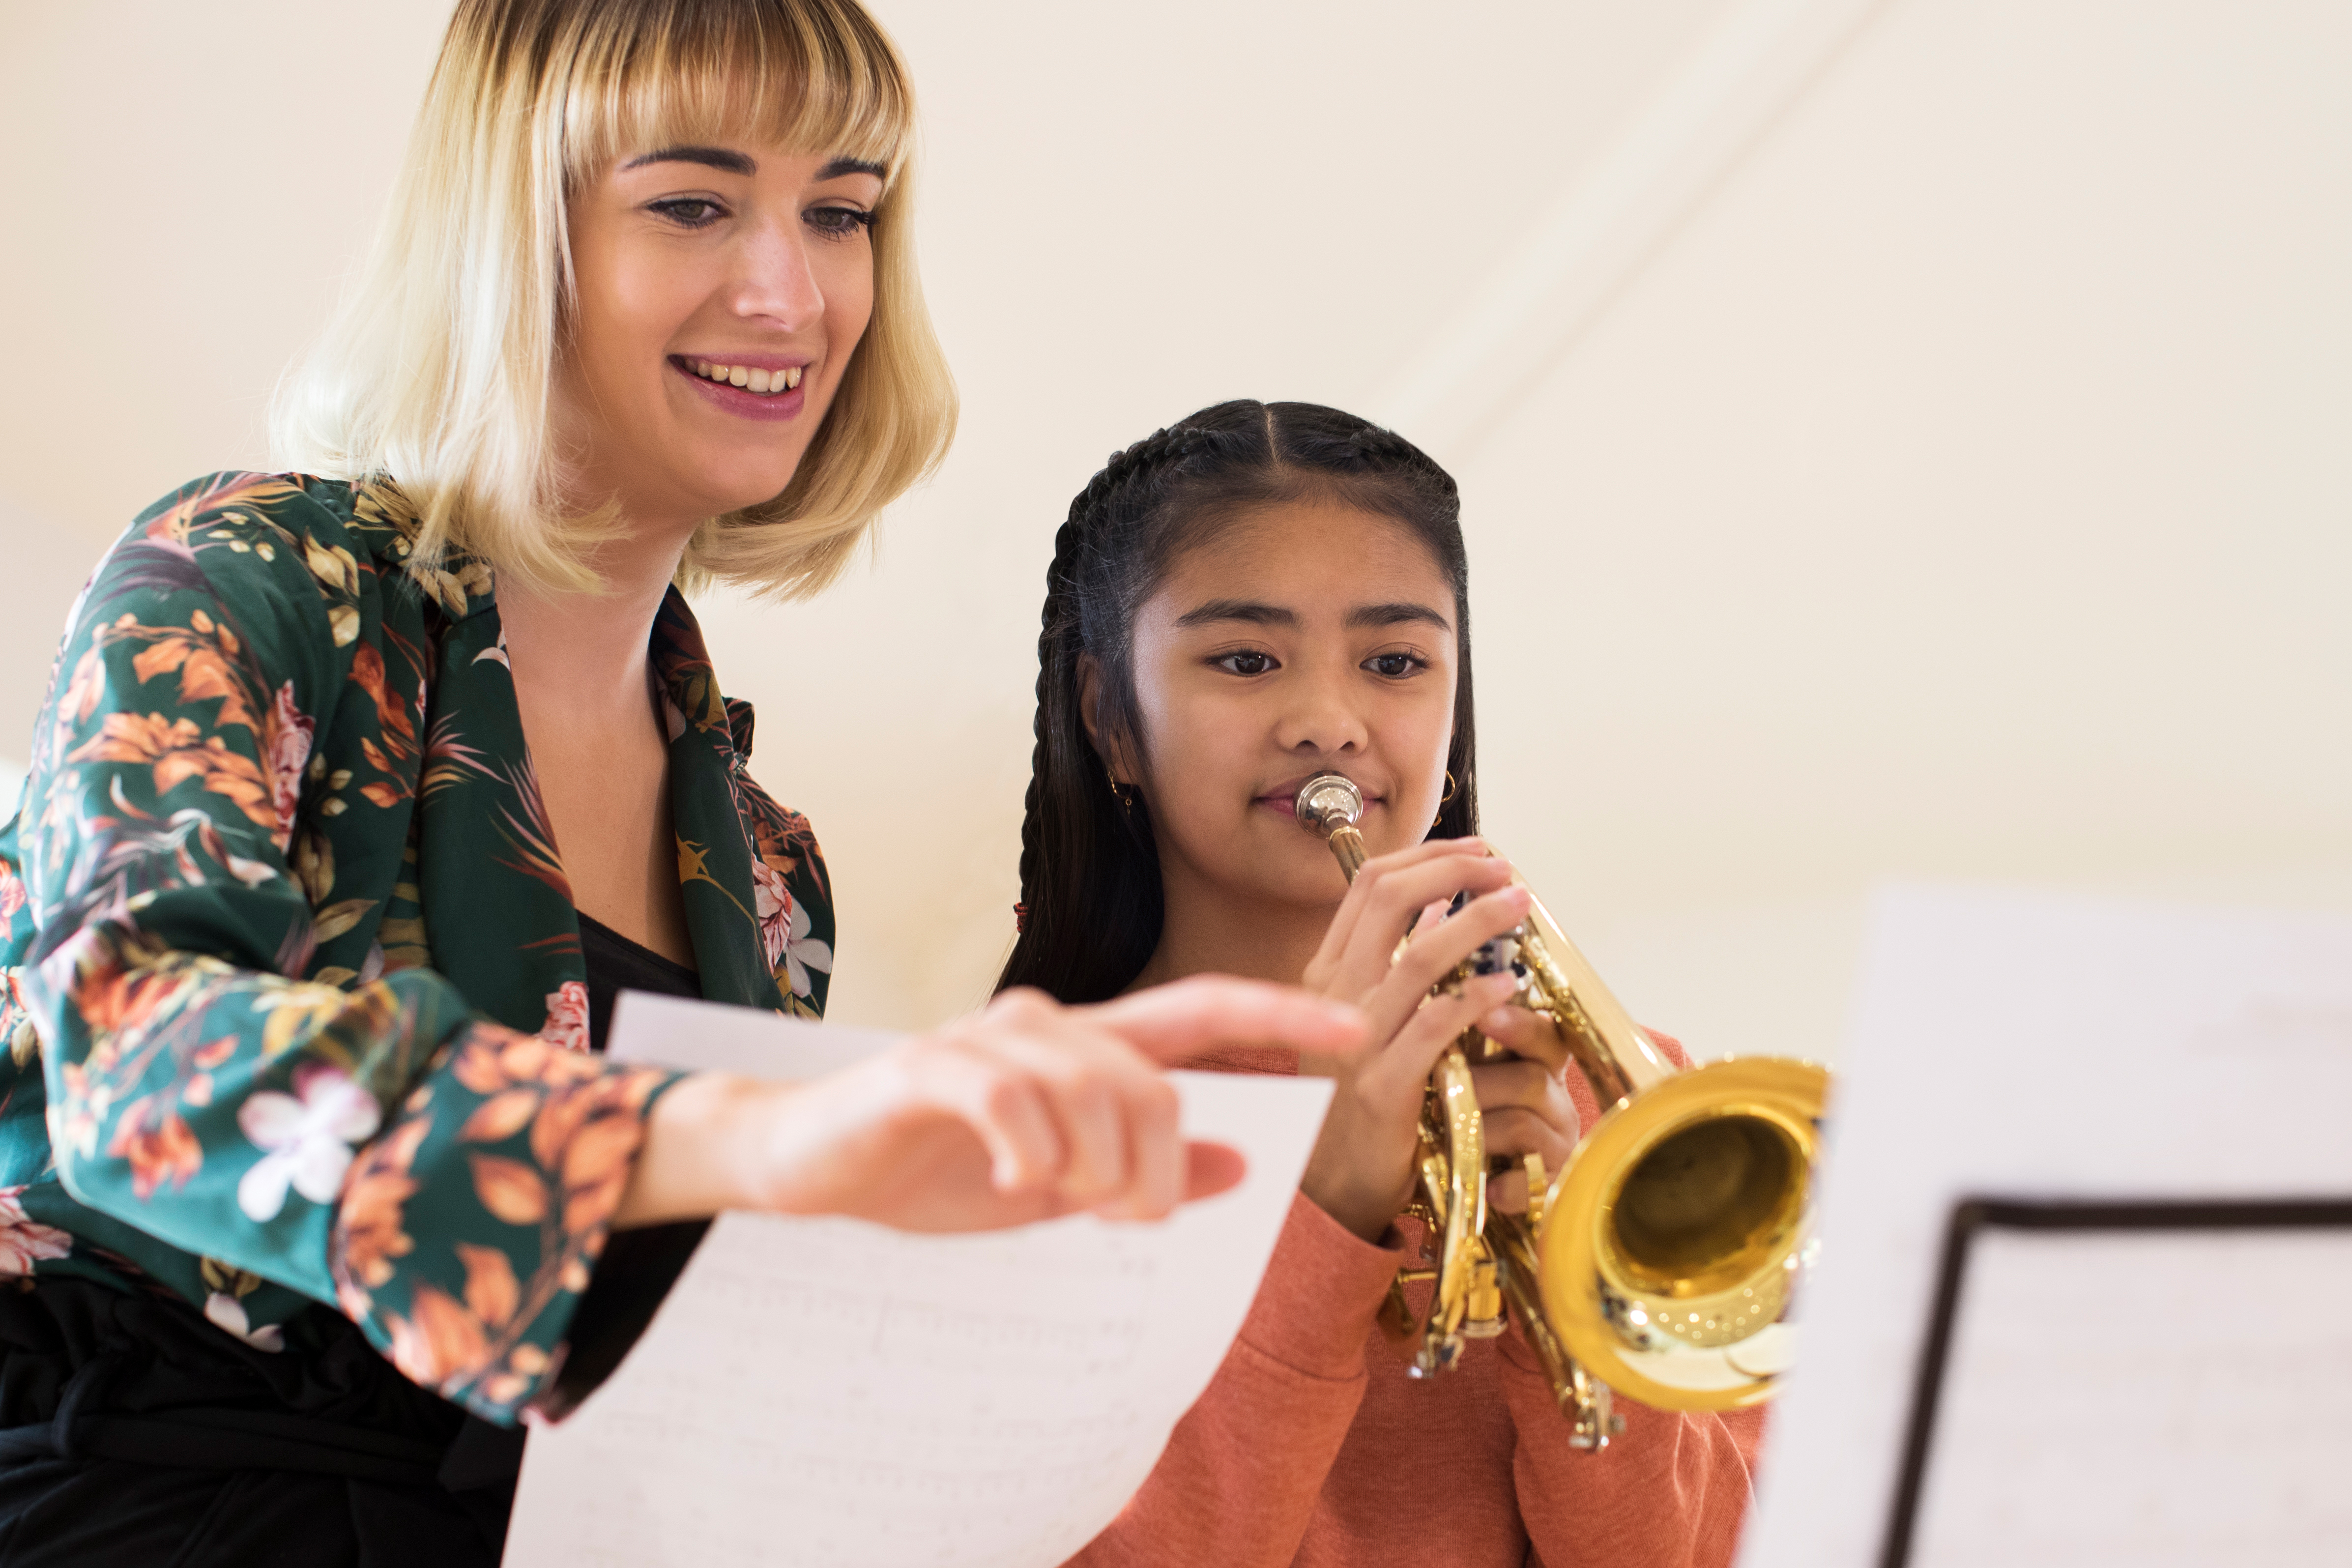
[775,280]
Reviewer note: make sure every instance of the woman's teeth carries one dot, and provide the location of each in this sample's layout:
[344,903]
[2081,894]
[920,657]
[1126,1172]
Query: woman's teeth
[750,380]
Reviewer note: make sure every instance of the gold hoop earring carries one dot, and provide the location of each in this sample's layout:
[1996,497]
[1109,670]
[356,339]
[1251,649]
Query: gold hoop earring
[1119,793]
[1445,800]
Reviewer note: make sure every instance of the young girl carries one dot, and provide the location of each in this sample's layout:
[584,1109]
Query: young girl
[1252,596]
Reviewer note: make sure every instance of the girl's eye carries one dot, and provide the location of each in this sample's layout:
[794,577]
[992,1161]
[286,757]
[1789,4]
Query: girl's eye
[1247,662]
[689,212]
[839,223]
[1395,665]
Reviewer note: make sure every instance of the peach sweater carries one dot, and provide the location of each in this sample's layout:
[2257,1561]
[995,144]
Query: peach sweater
[1312,1447]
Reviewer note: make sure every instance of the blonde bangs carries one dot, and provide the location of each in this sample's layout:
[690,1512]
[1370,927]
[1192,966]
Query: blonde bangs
[436,372]
[700,74]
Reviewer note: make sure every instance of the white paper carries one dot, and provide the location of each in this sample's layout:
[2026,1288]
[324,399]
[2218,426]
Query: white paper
[829,1392]
[2163,1399]
[2017,1046]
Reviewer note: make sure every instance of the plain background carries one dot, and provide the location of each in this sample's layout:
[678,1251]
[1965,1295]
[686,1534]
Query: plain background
[1958,489]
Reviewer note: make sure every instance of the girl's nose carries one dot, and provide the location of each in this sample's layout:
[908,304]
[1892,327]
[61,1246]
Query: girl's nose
[1322,723]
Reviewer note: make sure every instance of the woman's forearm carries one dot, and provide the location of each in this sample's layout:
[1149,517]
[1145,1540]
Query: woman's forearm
[700,1153]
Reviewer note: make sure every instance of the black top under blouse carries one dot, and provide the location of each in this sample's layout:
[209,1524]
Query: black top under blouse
[616,965]
[640,1265]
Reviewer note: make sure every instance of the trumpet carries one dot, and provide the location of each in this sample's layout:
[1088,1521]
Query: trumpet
[1663,1260]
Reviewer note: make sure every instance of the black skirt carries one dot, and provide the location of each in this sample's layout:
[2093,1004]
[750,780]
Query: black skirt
[134,1434]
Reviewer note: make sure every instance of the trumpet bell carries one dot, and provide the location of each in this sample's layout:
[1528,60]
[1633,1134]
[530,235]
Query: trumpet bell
[1671,1243]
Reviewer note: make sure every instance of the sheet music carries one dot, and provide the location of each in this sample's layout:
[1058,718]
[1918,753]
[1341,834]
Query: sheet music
[2031,1047]
[2168,1399]
[827,1392]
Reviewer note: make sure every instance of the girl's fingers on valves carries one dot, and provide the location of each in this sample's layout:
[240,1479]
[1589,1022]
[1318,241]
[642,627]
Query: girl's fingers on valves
[1431,955]
[1526,1034]
[1415,1051]
[1352,908]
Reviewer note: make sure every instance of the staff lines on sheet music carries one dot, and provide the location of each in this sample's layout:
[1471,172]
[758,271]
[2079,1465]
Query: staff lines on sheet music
[2234,1407]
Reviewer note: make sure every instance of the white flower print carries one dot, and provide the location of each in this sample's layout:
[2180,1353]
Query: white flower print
[289,740]
[784,926]
[567,1017]
[25,1241]
[228,1312]
[308,1135]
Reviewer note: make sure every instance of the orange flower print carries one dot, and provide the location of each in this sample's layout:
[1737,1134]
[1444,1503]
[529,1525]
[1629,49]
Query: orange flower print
[162,1152]
[567,1017]
[371,1229]
[25,1241]
[177,750]
[440,1341]
[12,893]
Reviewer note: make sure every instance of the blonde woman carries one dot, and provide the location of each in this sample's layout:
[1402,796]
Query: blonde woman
[362,788]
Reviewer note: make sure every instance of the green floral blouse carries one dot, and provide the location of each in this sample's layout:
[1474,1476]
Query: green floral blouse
[290,980]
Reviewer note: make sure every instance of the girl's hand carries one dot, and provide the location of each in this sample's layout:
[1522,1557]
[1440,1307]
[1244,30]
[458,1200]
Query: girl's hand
[1361,1172]
[1024,1110]
[1524,1098]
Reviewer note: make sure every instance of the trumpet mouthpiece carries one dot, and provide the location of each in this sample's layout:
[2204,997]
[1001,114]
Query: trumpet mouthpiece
[1326,802]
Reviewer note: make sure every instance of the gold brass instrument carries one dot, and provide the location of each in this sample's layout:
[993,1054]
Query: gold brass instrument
[1662,1260]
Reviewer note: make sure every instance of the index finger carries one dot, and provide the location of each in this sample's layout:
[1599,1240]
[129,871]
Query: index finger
[1169,1022]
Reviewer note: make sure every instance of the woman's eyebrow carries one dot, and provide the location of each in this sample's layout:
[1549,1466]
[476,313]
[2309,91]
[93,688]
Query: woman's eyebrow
[841,166]
[722,158]
[1248,610]
[1397,614]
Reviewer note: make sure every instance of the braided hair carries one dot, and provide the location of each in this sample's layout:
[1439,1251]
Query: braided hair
[1091,906]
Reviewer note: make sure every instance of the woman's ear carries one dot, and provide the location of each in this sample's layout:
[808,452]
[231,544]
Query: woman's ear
[1090,715]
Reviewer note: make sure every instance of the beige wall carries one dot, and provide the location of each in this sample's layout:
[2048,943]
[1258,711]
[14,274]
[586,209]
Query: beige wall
[1955,488]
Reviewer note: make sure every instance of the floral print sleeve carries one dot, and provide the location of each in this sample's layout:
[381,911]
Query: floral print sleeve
[289,977]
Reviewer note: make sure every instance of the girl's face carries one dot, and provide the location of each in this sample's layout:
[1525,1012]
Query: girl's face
[721,292]
[1311,637]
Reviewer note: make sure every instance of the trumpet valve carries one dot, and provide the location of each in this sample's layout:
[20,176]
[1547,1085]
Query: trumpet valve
[1482,1318]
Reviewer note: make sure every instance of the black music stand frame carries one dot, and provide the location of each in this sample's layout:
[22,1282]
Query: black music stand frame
[1971,1215]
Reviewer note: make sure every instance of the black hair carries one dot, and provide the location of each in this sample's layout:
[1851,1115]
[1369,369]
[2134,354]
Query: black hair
[1090,894]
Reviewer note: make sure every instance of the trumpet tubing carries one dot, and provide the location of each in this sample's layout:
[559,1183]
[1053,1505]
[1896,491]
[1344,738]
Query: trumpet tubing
[1664,1258]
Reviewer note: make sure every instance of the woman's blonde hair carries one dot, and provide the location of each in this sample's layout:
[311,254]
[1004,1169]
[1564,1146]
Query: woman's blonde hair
[436,372]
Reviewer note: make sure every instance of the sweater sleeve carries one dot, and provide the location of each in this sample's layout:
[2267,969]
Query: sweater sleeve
[1243,1471]
[1668,1493]
[445,1181]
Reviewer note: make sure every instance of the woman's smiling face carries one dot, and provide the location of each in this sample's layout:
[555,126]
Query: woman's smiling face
[721,291]
[1311,636]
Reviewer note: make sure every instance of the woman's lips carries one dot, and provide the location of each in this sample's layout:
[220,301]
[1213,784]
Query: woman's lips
[747,401]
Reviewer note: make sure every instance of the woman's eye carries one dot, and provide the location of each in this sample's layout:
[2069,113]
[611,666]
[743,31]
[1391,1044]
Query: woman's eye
[1243,663]
[1395,665]
[689,212]
[839,223]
